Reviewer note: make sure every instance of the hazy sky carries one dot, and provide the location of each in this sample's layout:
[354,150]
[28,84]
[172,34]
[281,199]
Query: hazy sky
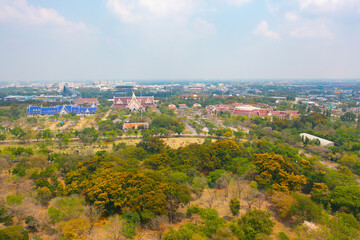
[179,39]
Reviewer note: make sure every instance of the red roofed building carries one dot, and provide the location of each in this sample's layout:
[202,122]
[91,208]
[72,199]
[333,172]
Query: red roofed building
[86,101]
[127,126]
[172,106]
[182,106]
[134,103]
[194,96]
[196,105]
[251,110]
[284,114]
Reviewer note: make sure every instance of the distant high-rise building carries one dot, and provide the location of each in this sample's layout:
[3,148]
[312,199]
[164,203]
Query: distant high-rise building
[69,92]
[123,90]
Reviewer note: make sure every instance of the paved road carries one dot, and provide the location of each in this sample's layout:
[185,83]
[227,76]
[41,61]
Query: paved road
[193,130]
[106,115]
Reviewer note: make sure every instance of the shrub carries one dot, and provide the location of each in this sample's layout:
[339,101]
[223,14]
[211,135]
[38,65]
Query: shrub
[14,233]
[75,228]
[254,222]
[282,236]
[305,209]
[282,203]
[14,199]
[234,206]
[346,198]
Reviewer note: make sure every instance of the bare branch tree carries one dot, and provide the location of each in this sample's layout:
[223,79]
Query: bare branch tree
[115,228]
[93,213]
[238,187]
[223,183]
[260,199]
[158,224]
[251,197]
[211,198]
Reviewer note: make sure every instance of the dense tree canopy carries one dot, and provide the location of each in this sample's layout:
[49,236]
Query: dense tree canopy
[277,173]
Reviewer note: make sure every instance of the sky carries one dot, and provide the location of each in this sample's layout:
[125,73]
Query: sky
[69,40]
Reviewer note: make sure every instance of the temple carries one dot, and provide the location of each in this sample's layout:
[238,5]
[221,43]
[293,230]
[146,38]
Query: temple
[134,104]
[62,110]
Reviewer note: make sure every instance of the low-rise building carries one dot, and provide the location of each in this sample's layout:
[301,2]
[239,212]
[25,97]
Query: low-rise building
[183,106]
[86,101]
[62,110]
[323,142]
[128,126]
[251,110]
[172,106]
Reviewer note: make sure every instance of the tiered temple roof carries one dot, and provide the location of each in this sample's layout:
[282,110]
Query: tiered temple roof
[134,103]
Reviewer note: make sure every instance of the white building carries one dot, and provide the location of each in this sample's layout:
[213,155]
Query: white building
[323,142]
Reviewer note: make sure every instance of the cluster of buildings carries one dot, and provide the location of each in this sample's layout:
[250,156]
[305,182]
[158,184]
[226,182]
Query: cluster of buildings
[89,106]
[261,110]
[66,95]
[183,106]
[77,109]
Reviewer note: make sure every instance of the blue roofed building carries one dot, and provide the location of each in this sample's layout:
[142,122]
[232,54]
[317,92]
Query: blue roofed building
[62,110]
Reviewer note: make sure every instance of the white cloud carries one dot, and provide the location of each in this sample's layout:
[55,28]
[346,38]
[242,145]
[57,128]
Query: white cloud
[238,2]
[291,16]
[137,10]
[328,5]
[312,29]
[123,9]
[20,12]
[272,7]
[262,29]
[204,27]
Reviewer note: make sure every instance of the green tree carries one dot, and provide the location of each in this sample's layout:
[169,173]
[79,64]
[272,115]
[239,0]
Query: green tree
[305,209]
[239,134]
[344,226]
[176,196]
[63,139]
[320,193]
[346,198]
[220,153]
[234,206]
[348,117]
[14,233]
[47,134]
[152,145]
[105,126]
[88,135]
[179,129]
[43,195]
[2,136]
[254,222]
[186,232]
[110,136]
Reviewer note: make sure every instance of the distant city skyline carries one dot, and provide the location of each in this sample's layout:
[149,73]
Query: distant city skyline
[155,40]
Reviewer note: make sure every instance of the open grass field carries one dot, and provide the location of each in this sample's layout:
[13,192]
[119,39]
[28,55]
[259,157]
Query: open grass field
[174,142]
[48,122]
